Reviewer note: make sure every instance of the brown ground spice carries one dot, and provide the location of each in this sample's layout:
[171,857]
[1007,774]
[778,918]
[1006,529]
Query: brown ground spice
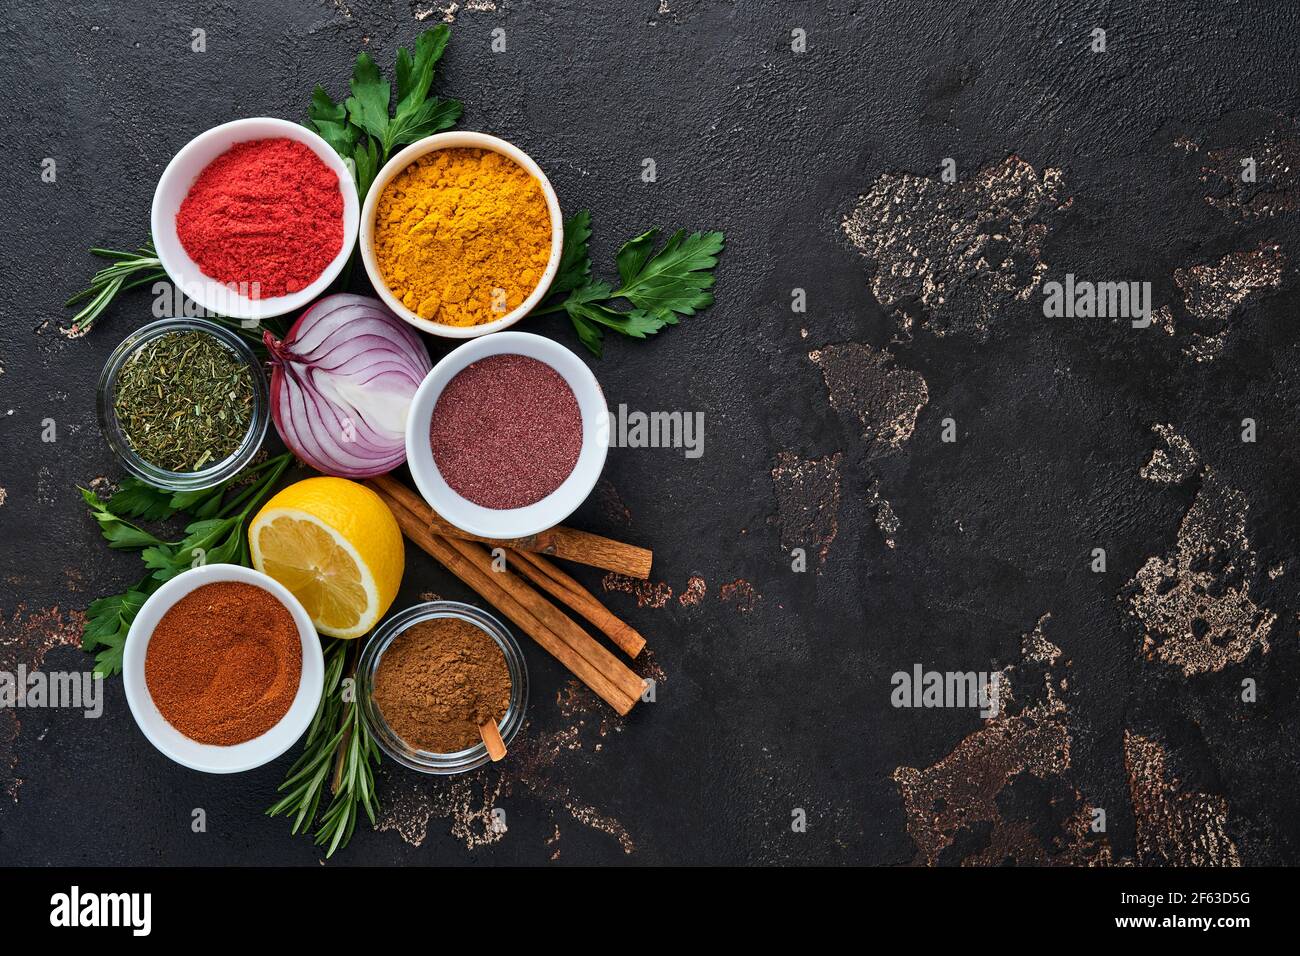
[223,664]
[438,681]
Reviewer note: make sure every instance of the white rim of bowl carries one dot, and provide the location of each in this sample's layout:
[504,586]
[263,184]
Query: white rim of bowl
[311,680]
[234,304]
[459,140]
[451,364]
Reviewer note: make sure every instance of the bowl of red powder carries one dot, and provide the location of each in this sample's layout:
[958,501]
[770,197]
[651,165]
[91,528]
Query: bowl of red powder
[255,218]
[507,435]
[222,669]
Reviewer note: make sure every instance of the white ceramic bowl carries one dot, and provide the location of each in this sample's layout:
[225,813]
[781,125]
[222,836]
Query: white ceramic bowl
[448,141]
[210,757]
[175,183]
[559,504]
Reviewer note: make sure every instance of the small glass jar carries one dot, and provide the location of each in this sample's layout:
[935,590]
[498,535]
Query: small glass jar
[397,748]
[214,473]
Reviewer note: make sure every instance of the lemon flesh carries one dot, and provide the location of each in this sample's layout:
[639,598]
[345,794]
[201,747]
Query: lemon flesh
[337,547]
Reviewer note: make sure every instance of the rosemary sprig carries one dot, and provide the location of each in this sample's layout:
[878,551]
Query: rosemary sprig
[338,750]
[143,267]
[126,271]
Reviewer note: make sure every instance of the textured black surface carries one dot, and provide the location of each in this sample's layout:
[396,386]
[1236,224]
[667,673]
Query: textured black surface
[785,705]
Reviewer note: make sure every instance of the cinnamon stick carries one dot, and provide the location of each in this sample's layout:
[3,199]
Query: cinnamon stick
[618,673]
[559,542]
[491,734]
[486,584]
[564,588]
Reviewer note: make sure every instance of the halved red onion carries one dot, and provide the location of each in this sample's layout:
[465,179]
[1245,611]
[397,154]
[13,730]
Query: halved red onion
[342,383]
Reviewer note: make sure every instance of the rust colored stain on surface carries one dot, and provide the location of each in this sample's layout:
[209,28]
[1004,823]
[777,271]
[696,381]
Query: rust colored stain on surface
[1195,604]
[1275,158]
[960,251]
[886,520]
[539,765]
[807,502]
[1174,827]
[652,594]
[1213,292]
[863,382]
[741,594]
[1175,462]
[954,807]
[27,637]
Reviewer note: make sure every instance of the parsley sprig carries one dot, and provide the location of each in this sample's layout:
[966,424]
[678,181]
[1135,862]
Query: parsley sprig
[360,128]
[659,285]
[214,536]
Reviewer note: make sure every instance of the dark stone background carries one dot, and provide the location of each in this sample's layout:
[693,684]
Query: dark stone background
[784,705]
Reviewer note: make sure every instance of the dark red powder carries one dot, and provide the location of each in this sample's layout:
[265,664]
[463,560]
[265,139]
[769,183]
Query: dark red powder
[506,431]
[265,216]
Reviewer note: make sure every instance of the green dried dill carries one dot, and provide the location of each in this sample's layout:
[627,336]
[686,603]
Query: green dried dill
[184,400]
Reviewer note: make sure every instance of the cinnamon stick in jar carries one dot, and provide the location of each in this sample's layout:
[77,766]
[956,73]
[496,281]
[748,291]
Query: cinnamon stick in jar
[512,605]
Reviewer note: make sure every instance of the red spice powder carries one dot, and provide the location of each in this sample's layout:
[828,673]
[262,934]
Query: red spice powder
[224,662]
[266,216]
[506,431]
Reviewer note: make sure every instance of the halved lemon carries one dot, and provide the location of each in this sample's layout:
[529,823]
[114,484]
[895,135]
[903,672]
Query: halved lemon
[336,546]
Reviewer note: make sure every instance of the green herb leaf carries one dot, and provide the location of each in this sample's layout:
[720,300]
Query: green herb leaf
[330,119]
[204,503]
[415,74]
[366,165]
[108,621]
[432,116]
[108,660]
[128,270]
[118,533]
[589,334]
[673,280]
[575,263]
[360,128]
[661,285]
[368,105]
[137,499]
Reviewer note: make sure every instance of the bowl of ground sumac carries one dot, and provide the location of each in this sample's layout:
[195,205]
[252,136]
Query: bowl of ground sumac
[255,218]
[222,669]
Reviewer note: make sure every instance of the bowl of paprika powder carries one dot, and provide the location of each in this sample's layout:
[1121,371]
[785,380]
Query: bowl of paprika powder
[222,668]
[255,218]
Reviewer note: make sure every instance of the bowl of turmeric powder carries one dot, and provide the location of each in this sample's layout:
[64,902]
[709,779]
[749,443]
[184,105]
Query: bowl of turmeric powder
[461,234]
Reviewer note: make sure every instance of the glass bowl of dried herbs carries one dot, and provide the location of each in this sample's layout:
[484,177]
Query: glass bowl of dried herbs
[183,402]
[431,675]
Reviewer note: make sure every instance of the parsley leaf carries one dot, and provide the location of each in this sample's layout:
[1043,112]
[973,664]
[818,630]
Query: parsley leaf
[331,120]
[417,115]
[676,279]
[136,499]
[108,621]
[661,285]
[360,128]
[117,532]
[365,166]
[575,263]
[368,104]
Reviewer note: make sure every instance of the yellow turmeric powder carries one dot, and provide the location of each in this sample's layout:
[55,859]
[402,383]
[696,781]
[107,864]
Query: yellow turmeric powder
[462,236]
